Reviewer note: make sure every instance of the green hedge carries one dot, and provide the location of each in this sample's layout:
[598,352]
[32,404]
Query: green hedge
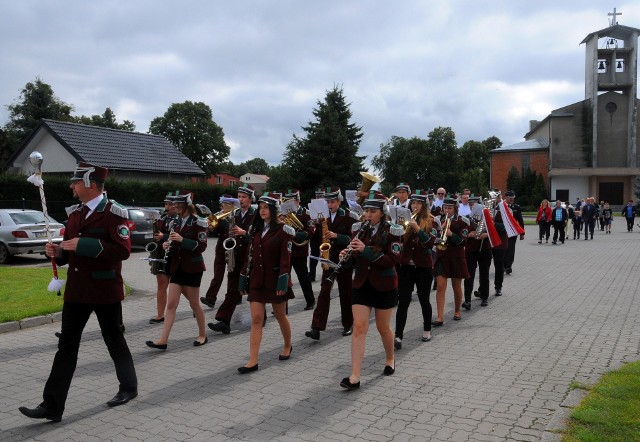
[17,192]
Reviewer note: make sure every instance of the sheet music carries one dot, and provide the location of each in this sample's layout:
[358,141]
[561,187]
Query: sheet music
[318,207]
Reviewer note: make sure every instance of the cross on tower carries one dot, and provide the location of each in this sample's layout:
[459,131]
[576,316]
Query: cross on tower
[614,20]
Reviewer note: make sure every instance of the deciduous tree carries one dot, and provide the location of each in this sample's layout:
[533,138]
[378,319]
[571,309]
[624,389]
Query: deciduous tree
[190,127]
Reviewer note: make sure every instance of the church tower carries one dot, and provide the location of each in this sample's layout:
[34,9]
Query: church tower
[611,66]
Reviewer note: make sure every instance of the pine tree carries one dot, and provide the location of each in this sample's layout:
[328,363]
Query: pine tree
[328,154]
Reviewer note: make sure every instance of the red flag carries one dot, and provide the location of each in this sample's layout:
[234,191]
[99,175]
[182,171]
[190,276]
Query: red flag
[510,223]
[494,238]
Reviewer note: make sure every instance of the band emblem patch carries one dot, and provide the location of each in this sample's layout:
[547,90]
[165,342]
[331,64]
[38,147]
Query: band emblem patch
[396,248]
[434,232]
[465,232]
[202,236]
[289,246]
[123,231]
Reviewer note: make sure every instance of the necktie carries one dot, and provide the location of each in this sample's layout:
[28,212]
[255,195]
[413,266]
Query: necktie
[84,212]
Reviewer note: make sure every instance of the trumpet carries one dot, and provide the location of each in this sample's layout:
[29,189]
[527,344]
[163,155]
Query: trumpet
[442,245]
[413,217]
[215,218]
[292,220]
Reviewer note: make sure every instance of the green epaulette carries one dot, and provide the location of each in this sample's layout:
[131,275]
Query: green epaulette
[119,210]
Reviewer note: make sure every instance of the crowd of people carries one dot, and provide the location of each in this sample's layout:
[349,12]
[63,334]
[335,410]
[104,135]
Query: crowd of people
[585,216]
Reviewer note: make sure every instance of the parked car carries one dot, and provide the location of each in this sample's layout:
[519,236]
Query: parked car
[23,231]
[140,225]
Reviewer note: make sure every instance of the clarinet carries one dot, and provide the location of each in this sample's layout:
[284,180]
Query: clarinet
[167,252]
[347,256]
[250,255]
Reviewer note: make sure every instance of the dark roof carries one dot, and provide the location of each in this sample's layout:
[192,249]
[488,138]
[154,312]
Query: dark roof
[121,149]
[616,31]
[536,144]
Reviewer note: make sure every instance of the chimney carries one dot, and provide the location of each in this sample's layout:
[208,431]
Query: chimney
[532,124]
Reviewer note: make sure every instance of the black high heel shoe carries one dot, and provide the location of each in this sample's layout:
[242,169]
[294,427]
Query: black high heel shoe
[286,357]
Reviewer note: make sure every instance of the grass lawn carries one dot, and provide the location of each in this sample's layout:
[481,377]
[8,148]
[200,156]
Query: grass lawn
[24,294]
[611,410]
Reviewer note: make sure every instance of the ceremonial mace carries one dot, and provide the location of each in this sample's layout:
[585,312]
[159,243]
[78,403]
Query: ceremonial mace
[35,158]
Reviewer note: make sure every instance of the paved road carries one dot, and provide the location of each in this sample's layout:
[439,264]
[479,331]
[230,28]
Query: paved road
[569,313]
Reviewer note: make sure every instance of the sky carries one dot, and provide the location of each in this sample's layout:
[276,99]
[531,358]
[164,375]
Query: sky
[406,67]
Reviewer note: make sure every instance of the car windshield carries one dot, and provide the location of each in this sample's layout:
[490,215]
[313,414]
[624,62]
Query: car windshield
[28,217]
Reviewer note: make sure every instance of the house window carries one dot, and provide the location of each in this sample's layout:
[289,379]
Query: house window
[526,163]
[218,179]
[232,183]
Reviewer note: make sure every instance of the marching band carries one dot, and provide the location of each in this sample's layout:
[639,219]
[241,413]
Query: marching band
[376,249]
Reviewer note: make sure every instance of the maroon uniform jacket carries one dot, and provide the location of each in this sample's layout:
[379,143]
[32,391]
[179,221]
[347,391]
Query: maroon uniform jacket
[94,275]
[270,260]
[416,247]
[300,237]
[187,255]
[341,225]
[377,262]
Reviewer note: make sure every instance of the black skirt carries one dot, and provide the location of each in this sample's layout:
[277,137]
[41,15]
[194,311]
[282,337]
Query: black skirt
[187,279]
[369,296]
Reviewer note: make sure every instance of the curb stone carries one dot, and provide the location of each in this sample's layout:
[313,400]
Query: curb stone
[557,424]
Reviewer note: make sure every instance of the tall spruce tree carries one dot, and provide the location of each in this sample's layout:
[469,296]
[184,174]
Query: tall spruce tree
[328,153]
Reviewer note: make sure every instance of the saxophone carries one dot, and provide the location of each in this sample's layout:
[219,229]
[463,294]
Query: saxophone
[325,247]
[229,245]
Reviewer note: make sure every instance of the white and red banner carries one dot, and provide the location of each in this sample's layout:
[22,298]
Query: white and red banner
[510,223]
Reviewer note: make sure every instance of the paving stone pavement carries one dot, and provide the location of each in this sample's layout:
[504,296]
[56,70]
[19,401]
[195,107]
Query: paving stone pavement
[569,313]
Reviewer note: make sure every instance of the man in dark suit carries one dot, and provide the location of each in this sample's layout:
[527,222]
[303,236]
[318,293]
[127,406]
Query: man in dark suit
[243,217]
[338,235]
[559,218]
[589,215]
[96,241]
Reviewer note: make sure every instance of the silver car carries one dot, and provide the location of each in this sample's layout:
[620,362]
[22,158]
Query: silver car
[23,231]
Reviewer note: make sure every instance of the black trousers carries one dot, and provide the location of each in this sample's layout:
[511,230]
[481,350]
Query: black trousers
[74,319]
[577,227]
[408,276]
[481,260]
[558,227]
[630,224]
[510,254]
[498,265]
[589,226]
[300,266]
[545,229]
